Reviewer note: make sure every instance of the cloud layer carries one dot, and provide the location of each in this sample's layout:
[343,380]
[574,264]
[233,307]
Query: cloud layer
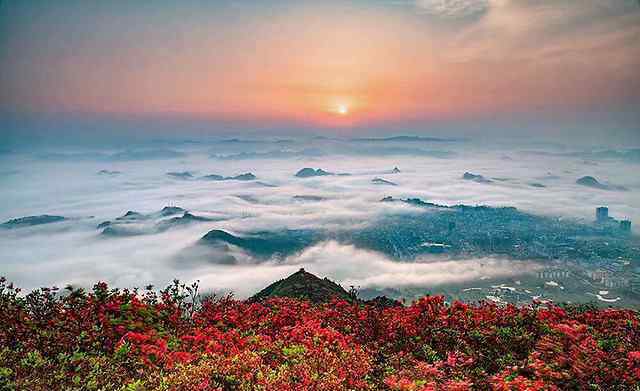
[74,252]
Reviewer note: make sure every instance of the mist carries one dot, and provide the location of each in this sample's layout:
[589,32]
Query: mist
[90,186]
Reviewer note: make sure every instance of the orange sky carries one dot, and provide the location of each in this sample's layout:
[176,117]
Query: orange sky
[302,61]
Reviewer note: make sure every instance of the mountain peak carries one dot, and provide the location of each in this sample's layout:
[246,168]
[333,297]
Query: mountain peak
[304,285]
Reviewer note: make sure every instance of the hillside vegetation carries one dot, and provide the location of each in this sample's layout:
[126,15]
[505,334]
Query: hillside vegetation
[110,339]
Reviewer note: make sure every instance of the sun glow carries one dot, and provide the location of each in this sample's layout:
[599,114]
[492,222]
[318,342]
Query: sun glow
[343,109]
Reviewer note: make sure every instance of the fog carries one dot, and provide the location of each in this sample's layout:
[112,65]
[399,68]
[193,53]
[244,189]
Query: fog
[69,182]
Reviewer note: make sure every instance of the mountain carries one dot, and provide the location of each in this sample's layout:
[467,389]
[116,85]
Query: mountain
[139,155]
[181,175]
[590,181]
[186,218]
[304,285]
[242,177]
[380,181]
[213,177]
[275,154]
[109,172]
[308,172]
[428,228]
[171,210]
[311,198]
[404,139]
[265,244]
[135,223]
[31,221]
[476,178]
[148,154]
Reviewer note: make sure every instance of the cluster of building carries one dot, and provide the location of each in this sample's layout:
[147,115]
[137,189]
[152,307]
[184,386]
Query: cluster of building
[553,274]
[602,217]
[610,278]
[614,273]
[584,255]
[478,230]
[618,274]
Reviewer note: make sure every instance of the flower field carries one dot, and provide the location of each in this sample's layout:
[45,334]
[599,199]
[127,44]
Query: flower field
[110,339]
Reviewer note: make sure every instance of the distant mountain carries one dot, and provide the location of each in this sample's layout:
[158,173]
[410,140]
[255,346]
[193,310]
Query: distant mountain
[128,155]
[413,202]
[311,198]
[148,154]
[109,172]
[475,178]
[456,230]
[265,244]
[135,223]
[380,181]
[395,170]
[275,154]
[304,285]
[181,175]
[404,139]
[381,149]
[242,177]
[626,155]
[264,184]
[29,221]
[590,181]
[308,172]
[213,177]
[171,210]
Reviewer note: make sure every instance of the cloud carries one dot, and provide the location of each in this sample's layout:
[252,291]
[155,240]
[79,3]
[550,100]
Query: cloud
[453,9]
[74,252]
[368,269]
[352,266]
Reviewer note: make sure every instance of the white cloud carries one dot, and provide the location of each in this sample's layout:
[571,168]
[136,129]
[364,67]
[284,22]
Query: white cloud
[73,252]
[368,269]
[453,9]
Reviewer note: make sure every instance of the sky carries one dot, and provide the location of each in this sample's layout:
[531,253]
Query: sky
[471,68]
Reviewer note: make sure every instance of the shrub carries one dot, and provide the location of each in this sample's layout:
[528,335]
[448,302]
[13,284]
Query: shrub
[111,339]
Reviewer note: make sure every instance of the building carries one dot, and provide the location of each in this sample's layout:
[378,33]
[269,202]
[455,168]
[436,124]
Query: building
[598,275]
[602,214]
[625,225]
[634,284]
[616,282]
[553,274]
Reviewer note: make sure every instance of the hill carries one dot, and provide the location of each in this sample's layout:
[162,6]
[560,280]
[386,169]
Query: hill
[29,221]
[308,172]
[304,285]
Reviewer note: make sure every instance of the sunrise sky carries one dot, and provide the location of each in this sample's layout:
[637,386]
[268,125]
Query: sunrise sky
[344,66]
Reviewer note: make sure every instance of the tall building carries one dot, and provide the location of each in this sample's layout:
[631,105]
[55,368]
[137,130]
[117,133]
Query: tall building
[602,214]
[625,225]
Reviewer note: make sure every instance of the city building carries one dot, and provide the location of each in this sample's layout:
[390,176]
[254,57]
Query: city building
[625,225]
[602,214]
[616,282]
[634,284]
[556,274]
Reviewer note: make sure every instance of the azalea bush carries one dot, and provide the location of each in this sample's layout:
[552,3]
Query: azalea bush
[111,339]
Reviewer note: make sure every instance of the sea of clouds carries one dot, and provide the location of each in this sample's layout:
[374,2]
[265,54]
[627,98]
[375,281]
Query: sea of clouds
[66,181]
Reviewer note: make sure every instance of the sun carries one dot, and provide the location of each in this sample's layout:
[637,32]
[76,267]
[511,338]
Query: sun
[343,109]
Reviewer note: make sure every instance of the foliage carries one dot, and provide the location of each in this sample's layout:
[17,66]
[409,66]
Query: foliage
[110,339]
